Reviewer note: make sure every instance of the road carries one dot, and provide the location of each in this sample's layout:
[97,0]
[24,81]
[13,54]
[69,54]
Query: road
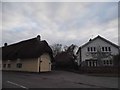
[56,79]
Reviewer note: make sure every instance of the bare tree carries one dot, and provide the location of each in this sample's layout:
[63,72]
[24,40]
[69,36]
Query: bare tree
[56,48]
[66,59]
[65,48]
[71,51]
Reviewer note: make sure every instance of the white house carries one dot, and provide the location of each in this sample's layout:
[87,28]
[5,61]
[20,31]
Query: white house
[97,52]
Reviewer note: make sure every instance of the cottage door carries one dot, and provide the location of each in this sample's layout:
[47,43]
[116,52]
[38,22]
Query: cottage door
[45,63]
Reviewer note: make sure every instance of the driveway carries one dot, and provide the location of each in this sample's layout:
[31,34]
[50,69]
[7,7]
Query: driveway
[56,79]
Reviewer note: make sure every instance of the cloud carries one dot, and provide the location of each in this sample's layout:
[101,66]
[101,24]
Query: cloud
[59,22]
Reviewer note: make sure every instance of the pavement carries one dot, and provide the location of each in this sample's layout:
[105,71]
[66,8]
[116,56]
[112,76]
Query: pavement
[56,79]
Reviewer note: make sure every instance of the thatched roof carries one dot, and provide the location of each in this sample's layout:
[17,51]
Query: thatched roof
[31,48]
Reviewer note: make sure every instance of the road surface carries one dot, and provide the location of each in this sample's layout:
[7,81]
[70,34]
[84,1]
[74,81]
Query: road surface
[56,79]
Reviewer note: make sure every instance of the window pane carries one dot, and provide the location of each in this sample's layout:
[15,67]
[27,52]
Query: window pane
[102,48]
[90,63]
[19,65]
[4,65]
[104,62]
[109,48]
[110,61]
[107,61]
[88,49]
[105,48]
[91,49]
[9,65]
[94,49]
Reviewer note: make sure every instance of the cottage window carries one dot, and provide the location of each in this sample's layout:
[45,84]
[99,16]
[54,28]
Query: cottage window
[19,65]
[4,65]
[9,66]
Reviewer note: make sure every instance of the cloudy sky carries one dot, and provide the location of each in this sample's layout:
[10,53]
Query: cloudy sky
[59,22]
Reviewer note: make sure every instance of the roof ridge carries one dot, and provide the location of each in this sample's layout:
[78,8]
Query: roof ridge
[20,42]
[102,39]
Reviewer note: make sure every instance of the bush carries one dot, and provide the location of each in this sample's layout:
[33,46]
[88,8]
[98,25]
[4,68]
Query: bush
[116,59]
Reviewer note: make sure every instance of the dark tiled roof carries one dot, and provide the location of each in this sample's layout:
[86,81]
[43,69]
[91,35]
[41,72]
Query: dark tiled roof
[31,48]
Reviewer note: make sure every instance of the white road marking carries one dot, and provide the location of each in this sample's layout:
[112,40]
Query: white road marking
[17,84]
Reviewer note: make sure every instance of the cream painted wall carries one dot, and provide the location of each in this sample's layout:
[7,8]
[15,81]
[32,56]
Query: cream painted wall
[45,65]
[29,65]
[0,64]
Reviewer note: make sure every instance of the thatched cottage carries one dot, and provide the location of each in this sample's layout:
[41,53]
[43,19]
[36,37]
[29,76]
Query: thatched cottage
[31,55]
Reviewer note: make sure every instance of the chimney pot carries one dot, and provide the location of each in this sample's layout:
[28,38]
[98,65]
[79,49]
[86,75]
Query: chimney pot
[38,37]
[90,39]
[5,44]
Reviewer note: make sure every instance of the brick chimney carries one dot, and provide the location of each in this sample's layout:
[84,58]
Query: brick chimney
[38,37]
[5,44]
[90,39]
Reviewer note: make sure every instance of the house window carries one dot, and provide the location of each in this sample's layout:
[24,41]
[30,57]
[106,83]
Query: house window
[110,61]
[94,49]
[103,49]
[104,62]
[106,49]
[88,49]
[19,65]
[90,64]
[4,65]
[91,49]
[109,48]
[9,66]
[107,62]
